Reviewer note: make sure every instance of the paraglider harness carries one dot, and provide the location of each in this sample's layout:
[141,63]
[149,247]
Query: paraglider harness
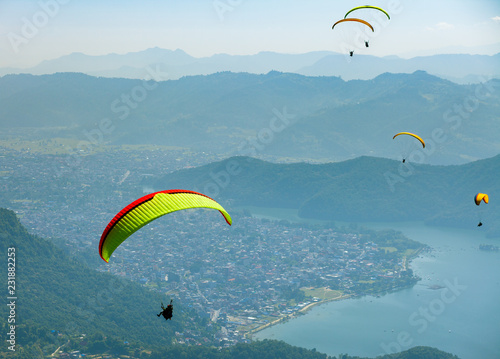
[166,312]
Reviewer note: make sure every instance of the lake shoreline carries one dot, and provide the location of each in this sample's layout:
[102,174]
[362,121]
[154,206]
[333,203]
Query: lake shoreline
[453,257]
[310,306]
[294,315]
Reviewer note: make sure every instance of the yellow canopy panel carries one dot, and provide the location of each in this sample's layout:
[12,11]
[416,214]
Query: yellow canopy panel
[148,208]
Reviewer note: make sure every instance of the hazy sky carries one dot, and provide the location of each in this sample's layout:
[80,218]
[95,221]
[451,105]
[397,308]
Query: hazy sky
[33,31]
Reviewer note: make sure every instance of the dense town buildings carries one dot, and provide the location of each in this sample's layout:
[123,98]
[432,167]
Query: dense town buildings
[241,277]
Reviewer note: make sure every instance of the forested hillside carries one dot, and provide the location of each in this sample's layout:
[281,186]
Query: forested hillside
[363,189]
[55,293]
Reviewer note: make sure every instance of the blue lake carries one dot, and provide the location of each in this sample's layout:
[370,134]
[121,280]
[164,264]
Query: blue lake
[461,315]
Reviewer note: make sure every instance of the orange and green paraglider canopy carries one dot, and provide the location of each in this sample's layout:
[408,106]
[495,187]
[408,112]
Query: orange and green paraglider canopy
[148,208]
[480,197]
[411,134]
[354,20]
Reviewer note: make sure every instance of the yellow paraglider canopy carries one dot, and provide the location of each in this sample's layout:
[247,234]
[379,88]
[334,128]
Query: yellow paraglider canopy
[481,197]
[411,134]
[148,208]
[368,7]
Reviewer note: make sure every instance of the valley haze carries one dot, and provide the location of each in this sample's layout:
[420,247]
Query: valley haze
[350,238]
[460,68]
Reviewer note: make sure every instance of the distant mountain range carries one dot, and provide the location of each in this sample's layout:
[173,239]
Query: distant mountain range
[461,68]
[278,115]
[365,189]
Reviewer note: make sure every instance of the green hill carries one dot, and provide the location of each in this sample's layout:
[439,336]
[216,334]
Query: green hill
[56,293]
[273,349]
[359,190]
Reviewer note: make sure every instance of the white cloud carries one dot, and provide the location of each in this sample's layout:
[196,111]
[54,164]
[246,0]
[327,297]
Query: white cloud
[496,18]
[444,26]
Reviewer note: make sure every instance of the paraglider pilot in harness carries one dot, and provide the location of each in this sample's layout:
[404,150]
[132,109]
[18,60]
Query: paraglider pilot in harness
[166,312]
